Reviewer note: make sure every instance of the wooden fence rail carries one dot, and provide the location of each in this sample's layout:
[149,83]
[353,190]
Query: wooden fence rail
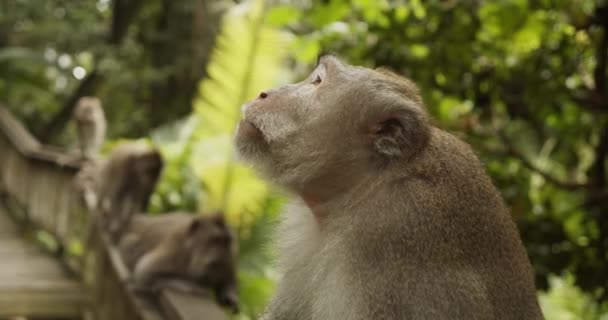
[36,187]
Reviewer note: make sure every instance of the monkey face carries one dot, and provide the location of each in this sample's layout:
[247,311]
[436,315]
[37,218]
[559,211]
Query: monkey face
[147,167]
[338,121]
[212,258]
[212,246]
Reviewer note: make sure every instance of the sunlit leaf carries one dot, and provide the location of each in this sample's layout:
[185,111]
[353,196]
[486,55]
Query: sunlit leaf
[529,37]
[282,15]
[324,14]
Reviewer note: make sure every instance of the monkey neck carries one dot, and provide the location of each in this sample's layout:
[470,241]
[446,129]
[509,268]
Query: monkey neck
[325,206]
[316,207]
[324,203]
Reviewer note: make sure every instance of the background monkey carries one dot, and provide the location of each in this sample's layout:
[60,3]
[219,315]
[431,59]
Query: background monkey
[124,183]
[394,218]
[182,250]
[91,126]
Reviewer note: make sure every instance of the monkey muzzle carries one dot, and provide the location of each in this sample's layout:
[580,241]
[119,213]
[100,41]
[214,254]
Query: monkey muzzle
[248,129]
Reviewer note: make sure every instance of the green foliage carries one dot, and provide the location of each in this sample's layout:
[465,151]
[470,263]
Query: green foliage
[146,59]
[566,302]
[39,54]
[178,187]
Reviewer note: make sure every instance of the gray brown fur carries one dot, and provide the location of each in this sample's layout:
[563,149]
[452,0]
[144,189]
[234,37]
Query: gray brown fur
[182,251]
[91,126]
[124,183]
[393,218]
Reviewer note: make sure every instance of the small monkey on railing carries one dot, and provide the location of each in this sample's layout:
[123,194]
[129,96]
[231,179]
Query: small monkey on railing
[125,183]
[182,251]
[91,126]
[121,185]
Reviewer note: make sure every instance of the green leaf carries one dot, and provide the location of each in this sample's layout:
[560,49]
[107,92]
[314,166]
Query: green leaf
[402,13]
[530,36]
[306,50]
[282,15]
[335,10]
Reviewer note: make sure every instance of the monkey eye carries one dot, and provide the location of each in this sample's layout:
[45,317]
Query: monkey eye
[317,80]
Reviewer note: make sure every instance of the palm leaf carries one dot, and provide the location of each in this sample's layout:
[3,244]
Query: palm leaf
[246,60]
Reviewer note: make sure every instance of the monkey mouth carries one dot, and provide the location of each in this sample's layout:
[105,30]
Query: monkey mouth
[247,128]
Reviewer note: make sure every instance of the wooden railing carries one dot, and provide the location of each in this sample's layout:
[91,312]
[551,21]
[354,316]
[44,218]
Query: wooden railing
[36,185]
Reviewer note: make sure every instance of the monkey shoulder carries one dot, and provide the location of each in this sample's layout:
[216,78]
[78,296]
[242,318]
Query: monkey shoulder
[450,165]
[451,151]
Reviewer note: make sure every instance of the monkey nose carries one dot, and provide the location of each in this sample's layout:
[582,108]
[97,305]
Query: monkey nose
[263,95]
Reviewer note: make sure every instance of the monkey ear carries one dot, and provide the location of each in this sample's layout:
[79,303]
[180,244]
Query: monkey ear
[400,135]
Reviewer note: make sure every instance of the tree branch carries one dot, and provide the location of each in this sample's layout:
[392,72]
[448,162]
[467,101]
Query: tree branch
[512,151]
[123,12]
[598,170]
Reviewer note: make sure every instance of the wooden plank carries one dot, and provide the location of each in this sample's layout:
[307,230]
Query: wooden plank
[32,283]
[43,198]
[15,175]
[29,266]
[66,190]
[7,231]
[11,245]
[42,299]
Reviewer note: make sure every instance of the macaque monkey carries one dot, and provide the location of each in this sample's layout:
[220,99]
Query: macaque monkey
[182,251]
[91,125]
[124,184]
[394,218]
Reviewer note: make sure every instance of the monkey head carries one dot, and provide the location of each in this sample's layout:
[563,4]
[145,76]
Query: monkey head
[128,178]
[88,109]
[212,249]
[290,133]
[146,167]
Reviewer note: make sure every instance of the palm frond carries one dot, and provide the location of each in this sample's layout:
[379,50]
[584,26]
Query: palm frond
[246,60]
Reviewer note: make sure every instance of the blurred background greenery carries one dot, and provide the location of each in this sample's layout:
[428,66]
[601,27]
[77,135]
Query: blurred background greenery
[523,81]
